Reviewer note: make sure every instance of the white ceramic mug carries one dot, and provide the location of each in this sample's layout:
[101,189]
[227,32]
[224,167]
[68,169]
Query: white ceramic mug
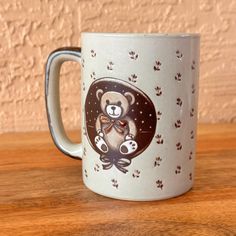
[139,112]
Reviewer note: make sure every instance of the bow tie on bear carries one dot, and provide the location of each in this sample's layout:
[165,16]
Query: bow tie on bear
[119,125]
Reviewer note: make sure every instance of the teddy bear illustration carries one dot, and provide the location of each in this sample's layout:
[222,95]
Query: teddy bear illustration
[116,130]
[120,121]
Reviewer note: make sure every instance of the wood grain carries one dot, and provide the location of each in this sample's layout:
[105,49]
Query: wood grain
[41,193]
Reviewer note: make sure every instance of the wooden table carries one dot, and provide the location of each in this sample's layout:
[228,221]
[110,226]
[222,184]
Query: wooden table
[41,193]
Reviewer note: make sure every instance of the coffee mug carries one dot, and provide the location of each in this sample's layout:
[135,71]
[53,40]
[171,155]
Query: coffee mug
[139,112]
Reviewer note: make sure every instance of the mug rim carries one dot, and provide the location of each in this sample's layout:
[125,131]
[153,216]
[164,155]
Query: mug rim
[143,35]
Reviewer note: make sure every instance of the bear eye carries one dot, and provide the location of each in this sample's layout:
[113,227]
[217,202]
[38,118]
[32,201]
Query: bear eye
[119,103]
[107,102]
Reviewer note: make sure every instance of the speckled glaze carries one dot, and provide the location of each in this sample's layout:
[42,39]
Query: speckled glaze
[139,112]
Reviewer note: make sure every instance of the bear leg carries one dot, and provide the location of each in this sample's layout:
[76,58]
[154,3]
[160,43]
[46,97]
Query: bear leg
[128,146]
[101,144]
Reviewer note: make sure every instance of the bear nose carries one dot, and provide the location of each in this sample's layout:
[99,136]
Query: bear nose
[113,108]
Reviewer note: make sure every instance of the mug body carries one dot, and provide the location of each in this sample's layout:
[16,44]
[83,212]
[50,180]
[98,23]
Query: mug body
[139,114]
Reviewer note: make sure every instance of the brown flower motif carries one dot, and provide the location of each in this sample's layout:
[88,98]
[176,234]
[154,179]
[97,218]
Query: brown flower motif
[114,183]
[157,161]
[179,102]
[84,131]
[133,78]
[192,135]
[157,66]
[84,151]
[159,115]
[110,65]
[179,54]
[159,139]
[178,77]
[159,184]
[85,173]
[158,91]
[178,170]
[190,176]
[93,53]
[178,124]
[133,55]
[190,155]
[93,75]
[178,146]
[83,86]
[96,168]
[193,65]
[82,62]
[136,174]
[193,89]
[192,112]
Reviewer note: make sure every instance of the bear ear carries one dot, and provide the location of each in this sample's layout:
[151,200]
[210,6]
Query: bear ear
[99,94]
[130,97]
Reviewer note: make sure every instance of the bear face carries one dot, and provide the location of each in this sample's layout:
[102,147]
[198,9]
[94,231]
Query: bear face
[113,104]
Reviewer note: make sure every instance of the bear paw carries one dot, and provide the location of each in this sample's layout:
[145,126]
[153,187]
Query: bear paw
[101,144]
[129,146]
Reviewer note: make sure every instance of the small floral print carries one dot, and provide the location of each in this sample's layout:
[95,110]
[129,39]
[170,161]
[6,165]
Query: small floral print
[158,91]
[85,173]
[83,86]
[193,89]
[159,115]
[110,65]
[192,135]
[133,78]
[82,62]
[190,176]
[159,139]
[192,112]
[157,66]
[136,174]
[93,53]
[159,184]
[179,102]
[157,161]
[193,65]
[178,77]
[178,170]
[178,146]
[115,183]
[179,54]
[84,151]
[84,131]
[133,55]
[96,168]
[93,75]
[178,124]
[190,155]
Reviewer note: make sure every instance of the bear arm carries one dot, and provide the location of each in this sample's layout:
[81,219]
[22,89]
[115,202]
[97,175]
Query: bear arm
[98,124]
[132,127]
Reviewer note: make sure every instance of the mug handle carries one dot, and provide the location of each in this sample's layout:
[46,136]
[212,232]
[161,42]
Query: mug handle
[52,97]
